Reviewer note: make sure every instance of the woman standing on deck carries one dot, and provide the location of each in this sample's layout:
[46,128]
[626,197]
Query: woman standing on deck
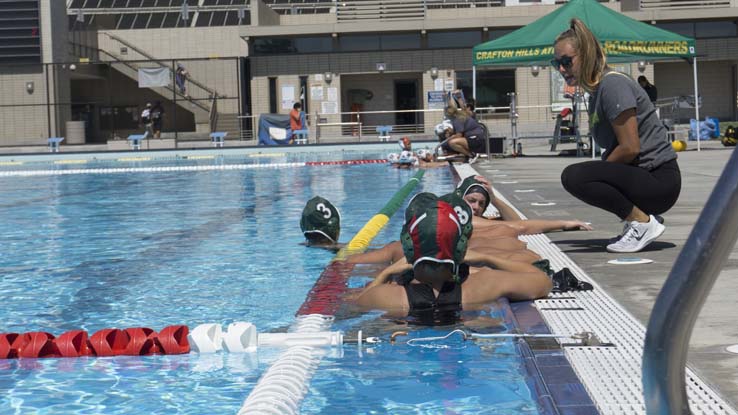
[638,176]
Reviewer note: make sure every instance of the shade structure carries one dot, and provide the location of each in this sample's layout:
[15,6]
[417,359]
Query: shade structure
[624,39]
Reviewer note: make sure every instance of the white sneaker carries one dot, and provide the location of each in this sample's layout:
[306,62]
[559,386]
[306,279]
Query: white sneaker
[638,236]
[626,226]
[473,158]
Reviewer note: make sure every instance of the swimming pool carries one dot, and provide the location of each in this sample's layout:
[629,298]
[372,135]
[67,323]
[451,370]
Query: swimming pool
[155,248]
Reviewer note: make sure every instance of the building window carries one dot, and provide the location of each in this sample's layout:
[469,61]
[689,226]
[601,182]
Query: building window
[445,40]
[400,41]
[272,95]
[355,43]
[703,30]
[275,46]
[492,86]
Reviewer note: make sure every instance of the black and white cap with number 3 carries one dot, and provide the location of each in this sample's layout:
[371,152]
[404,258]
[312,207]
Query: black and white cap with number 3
[320,216]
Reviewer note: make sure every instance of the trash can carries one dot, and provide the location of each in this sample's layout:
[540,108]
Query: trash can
[75,132]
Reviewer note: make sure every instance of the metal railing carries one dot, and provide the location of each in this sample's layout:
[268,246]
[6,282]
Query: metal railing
[683,294]
[683,5]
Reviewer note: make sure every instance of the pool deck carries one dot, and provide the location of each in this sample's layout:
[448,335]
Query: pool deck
[635,287]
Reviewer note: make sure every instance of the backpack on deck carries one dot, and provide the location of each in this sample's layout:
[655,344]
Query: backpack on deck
[730,138]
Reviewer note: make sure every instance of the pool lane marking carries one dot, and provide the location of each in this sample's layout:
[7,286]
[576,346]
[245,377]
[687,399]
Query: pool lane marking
[323,297]
[113,170]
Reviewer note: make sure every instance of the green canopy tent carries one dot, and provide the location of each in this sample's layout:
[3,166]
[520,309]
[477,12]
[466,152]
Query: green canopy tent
[623,39]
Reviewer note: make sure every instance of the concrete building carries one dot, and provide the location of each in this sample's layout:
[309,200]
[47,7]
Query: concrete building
[356,61]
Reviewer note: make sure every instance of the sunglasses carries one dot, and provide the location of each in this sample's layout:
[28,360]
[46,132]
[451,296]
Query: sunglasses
[565,61]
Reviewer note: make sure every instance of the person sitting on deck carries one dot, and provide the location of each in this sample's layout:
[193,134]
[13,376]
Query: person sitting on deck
[433,276]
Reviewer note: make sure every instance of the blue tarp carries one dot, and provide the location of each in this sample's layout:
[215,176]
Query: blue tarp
[267,121]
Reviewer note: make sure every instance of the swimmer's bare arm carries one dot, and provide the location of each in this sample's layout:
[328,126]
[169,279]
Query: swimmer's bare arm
[533,226]
[386,254]
[395,269]
[478,259]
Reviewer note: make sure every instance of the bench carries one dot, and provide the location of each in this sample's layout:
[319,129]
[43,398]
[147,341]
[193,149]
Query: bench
[135,140]
[301,136]
[217,138]
[54,143]
[383,132]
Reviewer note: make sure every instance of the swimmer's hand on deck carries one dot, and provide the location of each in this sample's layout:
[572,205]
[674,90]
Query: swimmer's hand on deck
[577,225]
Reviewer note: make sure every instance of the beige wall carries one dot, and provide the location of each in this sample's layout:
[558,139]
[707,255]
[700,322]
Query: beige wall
[716,86]
[180,43]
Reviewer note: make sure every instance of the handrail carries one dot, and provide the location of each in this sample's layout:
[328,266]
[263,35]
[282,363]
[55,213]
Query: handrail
[136,67]
[683,294]
[158,61]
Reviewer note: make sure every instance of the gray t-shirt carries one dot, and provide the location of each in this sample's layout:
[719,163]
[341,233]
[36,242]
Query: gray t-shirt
[616,93]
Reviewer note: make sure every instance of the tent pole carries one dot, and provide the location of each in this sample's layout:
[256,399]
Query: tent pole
[696,102]
[474,82]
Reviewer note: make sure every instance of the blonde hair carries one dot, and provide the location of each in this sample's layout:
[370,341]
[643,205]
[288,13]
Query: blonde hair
[592,60]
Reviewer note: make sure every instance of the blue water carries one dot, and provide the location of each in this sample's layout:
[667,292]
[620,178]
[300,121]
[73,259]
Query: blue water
[90,251]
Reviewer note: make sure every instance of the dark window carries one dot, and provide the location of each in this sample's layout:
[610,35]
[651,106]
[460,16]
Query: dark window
[156,19]
[124,118]
[466,39]
[209,3]
[494,34]
[304,94]
[715,29]
[170,20]
[492,86]
[272,46]
[120,3]
[126,20]
[686,29]
[104,4]
[141,20]
[232,19]
[185,23]
[203,19]
[314,44]
[135,3]
[400,41]
[353,43]
[272,95]
[148,3]
[77,4]
[218,19]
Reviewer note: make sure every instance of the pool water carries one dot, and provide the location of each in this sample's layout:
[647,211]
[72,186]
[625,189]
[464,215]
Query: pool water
[152,249]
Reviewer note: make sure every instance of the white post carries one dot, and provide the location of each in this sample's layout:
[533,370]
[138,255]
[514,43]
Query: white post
[474,82]
[696,102]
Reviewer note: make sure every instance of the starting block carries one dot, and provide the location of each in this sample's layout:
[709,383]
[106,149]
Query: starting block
[217,138]
[136,139]
[301,136]
[54,143]
[383,132]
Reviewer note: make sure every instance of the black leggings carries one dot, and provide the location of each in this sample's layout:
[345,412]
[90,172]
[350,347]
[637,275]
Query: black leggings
[617,187]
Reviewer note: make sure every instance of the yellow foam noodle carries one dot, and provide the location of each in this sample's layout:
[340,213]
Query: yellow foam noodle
[70,161]
[10,163]
[362,238]
[199,157]
[134,159]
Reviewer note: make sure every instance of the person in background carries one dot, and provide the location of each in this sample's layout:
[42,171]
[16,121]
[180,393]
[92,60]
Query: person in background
[296,117]
[468,136]
[638,176]
[157,118]
[146,120]
[180,78]
[650,89]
